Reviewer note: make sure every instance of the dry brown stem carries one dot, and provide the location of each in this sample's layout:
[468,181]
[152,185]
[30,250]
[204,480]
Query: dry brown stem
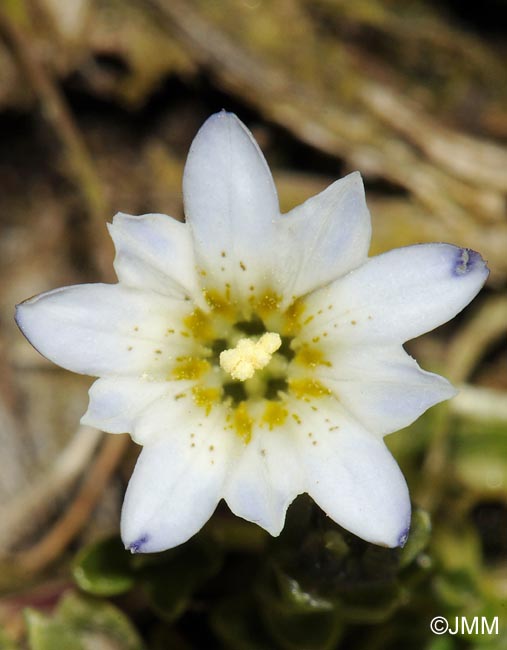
[457,179]
[52,545]
[465,352]
[59,117]
[32,507]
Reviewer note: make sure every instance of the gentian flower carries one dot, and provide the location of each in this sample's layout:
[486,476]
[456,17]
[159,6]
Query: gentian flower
[256,355]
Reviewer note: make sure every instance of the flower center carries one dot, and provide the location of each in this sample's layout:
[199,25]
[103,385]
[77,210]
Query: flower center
[250,355]
[248,360]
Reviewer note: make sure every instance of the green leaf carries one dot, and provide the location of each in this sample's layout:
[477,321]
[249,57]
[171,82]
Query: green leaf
[293,594]
[297,619]
[374,605]
[420,533]
[335,543]
[100,623]
[49,634]
[171,578]
[103,568]
[81,623]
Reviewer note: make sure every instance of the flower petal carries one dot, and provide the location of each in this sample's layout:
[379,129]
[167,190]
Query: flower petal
[117,403]
[325,237]
[154,252]
[398,295]
[176,484]
[352,476]
[230,203]
[265,478]
[101,329]
[382,386]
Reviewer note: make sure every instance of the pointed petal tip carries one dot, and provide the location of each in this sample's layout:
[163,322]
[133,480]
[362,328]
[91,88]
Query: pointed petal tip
[396,540]
[402,539]
[467,260]
[17,314]
[222,114]
[355,176]
[221,119]
[138,545]
[226,124]
[18,318]
[21,311]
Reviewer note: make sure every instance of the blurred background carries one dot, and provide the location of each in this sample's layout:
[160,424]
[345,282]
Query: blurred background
[99,101]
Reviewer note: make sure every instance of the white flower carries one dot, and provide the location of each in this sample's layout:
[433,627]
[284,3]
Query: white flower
[255,355]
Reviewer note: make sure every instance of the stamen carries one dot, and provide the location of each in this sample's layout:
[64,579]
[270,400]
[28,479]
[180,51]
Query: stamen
[248,356]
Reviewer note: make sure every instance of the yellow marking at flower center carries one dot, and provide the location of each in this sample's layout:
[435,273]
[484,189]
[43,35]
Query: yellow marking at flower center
[242,422]
[199,324]
[190,368]
[292,317]
[205,397]
[248,356]
[274,415]
[308,388]
[266,304]
[311,357]
[218,303]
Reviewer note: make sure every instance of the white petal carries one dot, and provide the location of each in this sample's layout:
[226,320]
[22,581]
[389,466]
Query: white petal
[352,476]
[117,403]
[326,236]
[230,203]
[382,386]
[155,252]
[265,478]
[101,329]
[176,485]
[397,296]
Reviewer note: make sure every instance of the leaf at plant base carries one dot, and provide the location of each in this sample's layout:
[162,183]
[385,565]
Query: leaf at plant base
[335,543]
[46,633]
[171,578]
[99,623]
[297,619]
[292,593]
[419,537]
[236,623]
[374,605]
[103,568]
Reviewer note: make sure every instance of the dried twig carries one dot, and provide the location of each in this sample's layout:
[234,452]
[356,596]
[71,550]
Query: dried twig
[58,116]
[33,506]
[76,516]
[357,131]
[479,403]
[469,344]
[466,350]
[480,163]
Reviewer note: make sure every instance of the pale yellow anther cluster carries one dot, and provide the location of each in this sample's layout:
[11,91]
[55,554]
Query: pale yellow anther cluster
[249,355]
